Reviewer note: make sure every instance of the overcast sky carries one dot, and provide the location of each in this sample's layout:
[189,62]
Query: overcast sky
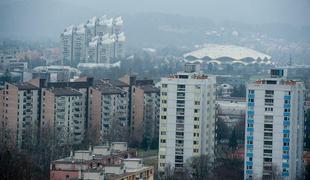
[250,11]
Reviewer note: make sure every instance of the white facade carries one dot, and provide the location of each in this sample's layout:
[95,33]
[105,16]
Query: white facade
[79,44]
[67,44]
[98,41]
[274,129]
[187,118]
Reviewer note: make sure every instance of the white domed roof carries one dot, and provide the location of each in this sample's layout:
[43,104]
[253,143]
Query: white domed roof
[215,51]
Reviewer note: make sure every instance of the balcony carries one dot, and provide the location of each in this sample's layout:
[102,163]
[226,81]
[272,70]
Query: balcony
[269,96]
[287,97]
[268,104]
[267,146]
[267,155]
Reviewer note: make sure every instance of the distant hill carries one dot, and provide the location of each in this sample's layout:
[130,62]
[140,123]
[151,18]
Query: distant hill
[24,20]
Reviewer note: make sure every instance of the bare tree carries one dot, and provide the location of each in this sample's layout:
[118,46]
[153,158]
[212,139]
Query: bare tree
[199,167]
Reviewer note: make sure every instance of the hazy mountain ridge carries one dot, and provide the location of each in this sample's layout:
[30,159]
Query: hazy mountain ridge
[155,30]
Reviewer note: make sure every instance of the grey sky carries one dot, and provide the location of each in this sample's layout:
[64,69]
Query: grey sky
[250,11]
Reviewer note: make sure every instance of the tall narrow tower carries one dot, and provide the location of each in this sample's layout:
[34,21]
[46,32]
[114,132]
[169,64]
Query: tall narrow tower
[187,117]
[274,128]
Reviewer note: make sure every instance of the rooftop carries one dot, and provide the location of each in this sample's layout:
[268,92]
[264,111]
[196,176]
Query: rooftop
[116,83]
[150,89]
[66,92]
[26,86]
[216,51]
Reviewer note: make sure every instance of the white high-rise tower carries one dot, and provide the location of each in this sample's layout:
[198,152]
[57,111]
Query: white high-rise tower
[274,128]
[187,117]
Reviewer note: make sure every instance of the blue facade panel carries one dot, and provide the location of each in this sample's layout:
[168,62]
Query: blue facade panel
[252,96]
[287,97]
[250,112]
[249,129]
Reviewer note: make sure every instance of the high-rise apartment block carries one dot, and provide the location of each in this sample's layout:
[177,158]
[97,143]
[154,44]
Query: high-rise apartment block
[187,117]
[63,109]
[145,114]
[20,114]
[96,41]
[109,111]
[274,128]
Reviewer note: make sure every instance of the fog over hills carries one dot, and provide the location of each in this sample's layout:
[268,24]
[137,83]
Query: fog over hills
[41,20]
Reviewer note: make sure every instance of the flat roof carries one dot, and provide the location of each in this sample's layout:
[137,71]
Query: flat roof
[150,89]
[26,86]
[66,92]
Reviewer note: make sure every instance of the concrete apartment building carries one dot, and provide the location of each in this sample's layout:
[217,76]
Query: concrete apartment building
[20,114]
[102,162]
[274,128]
[97,41]
[187,117]
[64,111]
[109,111]
[145,114]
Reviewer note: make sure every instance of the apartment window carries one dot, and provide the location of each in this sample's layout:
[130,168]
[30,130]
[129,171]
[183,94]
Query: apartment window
[287,110]
[163,141]
[286,118]
[196,110]
[195,150]
[164,101]
[196,126]
[163,117]
[268,125]
[164,85]
[267,142]
[180,102]
[163,132]
[251,100]
[162,156]
[269,151]
[182,86]
[269,92]
[286,135]
[197,102]
[251,91]
[267,134]
[164,109]
[250,125]
[196,134]
[267,159]
[164,93]
[285,151]
[268,109]
[287,101]
[195,142]
[249,142]
[286,144]
[196,118]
